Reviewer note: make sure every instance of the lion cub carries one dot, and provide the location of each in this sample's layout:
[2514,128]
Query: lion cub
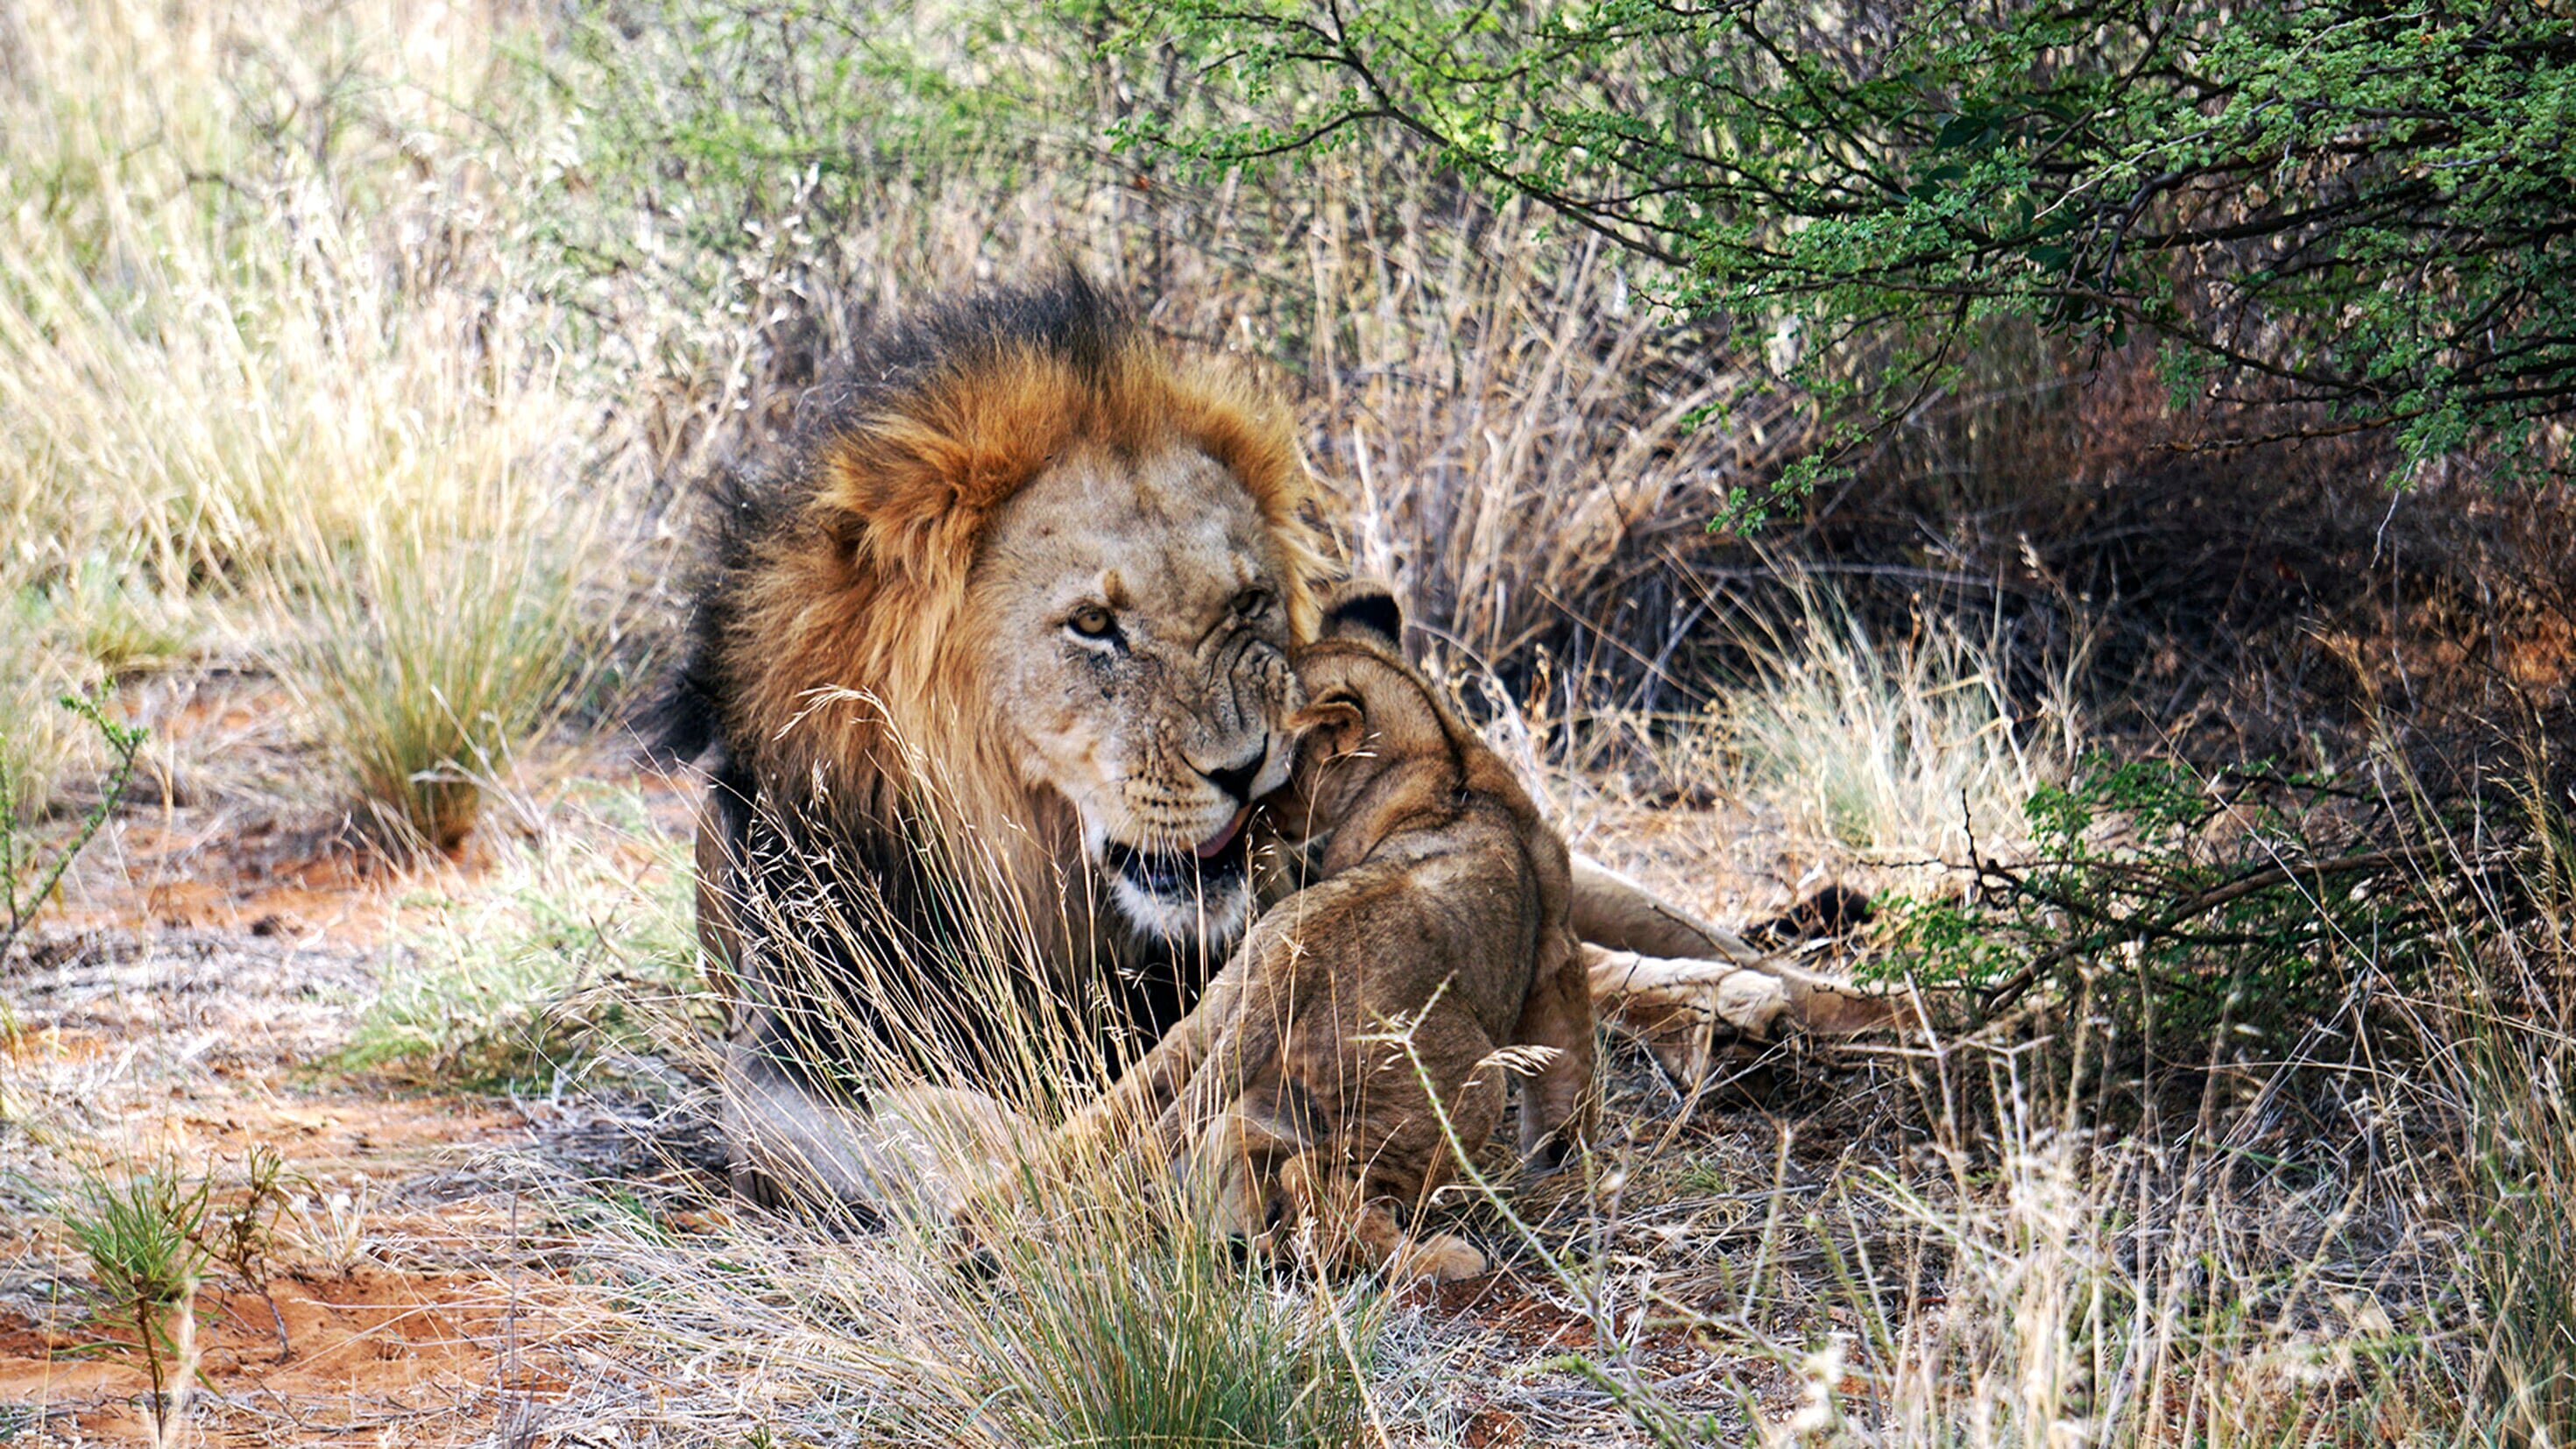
[1299,1094]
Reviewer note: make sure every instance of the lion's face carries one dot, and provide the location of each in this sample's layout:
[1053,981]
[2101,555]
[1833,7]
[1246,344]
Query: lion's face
[1129,615]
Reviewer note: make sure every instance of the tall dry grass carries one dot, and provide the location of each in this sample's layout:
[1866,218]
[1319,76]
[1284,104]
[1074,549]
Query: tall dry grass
[1911,749]
[280,392]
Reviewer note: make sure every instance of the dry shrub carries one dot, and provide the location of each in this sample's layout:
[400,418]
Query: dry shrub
[2229,599]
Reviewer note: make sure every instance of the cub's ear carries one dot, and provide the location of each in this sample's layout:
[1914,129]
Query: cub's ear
[1363,609]
[1330,726]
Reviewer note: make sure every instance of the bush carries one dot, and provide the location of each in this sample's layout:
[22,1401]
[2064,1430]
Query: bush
[433,652]
[2181,909]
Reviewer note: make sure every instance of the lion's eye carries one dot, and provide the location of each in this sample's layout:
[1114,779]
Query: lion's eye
[1091,622]
[1252,603]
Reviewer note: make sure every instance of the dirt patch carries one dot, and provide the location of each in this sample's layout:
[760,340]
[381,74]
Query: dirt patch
[440,1355]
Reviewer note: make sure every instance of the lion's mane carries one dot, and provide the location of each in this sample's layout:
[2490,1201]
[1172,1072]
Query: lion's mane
[825,676]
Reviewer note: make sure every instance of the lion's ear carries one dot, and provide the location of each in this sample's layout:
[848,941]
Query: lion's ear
[1363,609]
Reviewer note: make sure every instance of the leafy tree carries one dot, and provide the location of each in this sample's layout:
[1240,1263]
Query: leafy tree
[2357,216]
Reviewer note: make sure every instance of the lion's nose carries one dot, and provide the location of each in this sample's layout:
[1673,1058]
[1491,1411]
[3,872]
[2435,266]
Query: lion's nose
[1236,780]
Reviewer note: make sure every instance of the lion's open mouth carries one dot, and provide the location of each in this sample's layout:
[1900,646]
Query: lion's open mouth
[1221,859]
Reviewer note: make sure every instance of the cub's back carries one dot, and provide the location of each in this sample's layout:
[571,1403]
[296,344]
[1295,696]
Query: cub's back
[1438,867]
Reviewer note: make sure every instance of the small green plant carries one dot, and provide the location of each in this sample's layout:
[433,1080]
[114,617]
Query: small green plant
[242,1235]
[27,876]
[144,1234]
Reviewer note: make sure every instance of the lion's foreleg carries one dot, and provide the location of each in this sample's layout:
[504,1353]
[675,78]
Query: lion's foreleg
[1617,914]
[1134,1126]
[1343,1197]
[1129,1112]
[908,1153]
[1674,981]
[1678,1007]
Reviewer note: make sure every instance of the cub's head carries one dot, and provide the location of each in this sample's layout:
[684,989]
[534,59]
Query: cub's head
[1018,553]
[1366,710]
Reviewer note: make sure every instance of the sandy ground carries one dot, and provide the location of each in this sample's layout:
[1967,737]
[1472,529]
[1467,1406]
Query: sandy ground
[425,1282]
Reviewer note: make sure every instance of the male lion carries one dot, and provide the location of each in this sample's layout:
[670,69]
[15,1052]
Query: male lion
[1362,1022]
[1000,633]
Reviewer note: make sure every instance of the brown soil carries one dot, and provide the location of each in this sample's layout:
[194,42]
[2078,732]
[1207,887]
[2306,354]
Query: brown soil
[375,1350]
[209,955]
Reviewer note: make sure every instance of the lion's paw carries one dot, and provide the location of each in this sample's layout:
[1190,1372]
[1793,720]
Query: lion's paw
[1678,1006]
[1751,1002]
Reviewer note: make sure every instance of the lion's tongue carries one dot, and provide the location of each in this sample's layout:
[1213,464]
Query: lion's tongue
[1209,848]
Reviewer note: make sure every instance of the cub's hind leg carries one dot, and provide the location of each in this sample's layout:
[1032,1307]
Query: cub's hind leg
[1559,1102]
[1236,1119]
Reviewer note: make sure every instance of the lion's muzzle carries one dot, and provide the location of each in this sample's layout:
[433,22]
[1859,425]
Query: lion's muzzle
[1180,864]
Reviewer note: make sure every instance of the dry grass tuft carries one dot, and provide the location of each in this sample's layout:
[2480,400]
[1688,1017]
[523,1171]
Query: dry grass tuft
[1909,749]
[436,644]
